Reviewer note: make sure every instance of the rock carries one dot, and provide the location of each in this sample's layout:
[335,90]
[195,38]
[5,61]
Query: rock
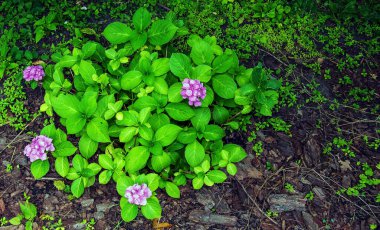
[346,181]
[98,215]
[205,217]
[101,224]
[79,226]
[285,203]
[49,203]
[222,206]
[205,198]
[21,160]
[309,221]
[3,141]
[312,150]
[20,227]
[87,203]
[104,207]
[319,192]
[247,171]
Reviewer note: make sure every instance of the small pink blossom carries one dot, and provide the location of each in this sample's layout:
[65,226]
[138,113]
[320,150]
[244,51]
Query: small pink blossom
[37,149]
[138,194]
[34,72]
[194,91]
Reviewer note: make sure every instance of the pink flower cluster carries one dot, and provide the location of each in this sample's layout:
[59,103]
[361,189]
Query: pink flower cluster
[194,91]
[34,72]
[36,149]
[138,194]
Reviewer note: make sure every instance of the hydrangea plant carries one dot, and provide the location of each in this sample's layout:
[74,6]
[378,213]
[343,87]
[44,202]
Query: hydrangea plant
[145,117]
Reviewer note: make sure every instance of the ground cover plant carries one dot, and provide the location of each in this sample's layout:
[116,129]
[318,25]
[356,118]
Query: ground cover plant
[188,114]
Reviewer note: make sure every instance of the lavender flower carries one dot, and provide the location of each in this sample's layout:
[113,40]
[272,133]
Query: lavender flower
[194,91]
[34,72]
[138,194]
[36,149]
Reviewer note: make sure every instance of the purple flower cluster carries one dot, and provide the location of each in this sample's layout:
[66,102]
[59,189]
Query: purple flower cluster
[194,91]
[36,149]
[138,194]
[34,72]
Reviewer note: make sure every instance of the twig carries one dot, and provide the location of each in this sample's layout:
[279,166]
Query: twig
[257,206]
[43,178]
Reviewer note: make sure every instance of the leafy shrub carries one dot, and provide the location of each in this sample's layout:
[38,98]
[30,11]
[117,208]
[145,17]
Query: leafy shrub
[125,101]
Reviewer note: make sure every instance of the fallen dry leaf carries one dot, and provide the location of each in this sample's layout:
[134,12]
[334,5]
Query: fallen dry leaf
[345,165]
[160,226]
[2,206]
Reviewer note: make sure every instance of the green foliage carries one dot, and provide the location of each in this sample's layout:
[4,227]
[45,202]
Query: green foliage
[28,213]
[131,96]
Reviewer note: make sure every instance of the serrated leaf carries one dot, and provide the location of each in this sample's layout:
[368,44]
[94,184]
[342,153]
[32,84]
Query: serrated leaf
[194,153]
[97,130]
[117,33]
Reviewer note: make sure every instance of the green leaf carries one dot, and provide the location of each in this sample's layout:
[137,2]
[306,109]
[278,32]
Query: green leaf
[216,176]
[174,93]
[180,65]
[72,175]
[136,159]
[158,120]
[213,133]
[95,168]
[122,184]
[224,86]
[79,163]
[88,102]
[172,189]
[197,182]
[29,210]
[88,49]
[49,131]
[152,209]
[161,32]
[194,153]
[231,169]
[64,149]
[16,220]
[160,66]
[141,19]
[179,111]
[129,211]
[220,114]
[222,63]
[86,70]
[66,106]
[106,161]
[201,118]
[67,61]
[87,146]
[97,130]
[138,40]
[127,134]
[153,181]
[105,177]
[117,33]
[160,86]
[237,153]
[202,73]
[39,168]
[201,53]
[77,187]
[188,136]
[75,123]
[62,166]
[160,162]
[144,115]
[131,79]
[144,102]
[39,33]
[167,134]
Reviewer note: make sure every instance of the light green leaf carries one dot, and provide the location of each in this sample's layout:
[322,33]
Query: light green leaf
[174,92]
[161,32]
[216,176]
[201,53]
[106,161]
[141,19]
[202,73]
[117,33]
[64,149]
[77,187]
[97,130]
[197,182]
[160,66]
[62,166]
[87,146]
[75,123]
[86,70]
[67,61]
[213,133]
[201,118]
[144,102]
[220,114]
[237,153]
[180,65]
[129,211]
[222,63]
[66,105]
[172,189]
[160,86]
[131,79]
[160,162]
[224,86]
[122,184]
[194,153]
[127,134]
[136,159]
[158,120]
[39,168]
[79,163]
[179,111]
[167,134]
[152,209]
[105,177]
